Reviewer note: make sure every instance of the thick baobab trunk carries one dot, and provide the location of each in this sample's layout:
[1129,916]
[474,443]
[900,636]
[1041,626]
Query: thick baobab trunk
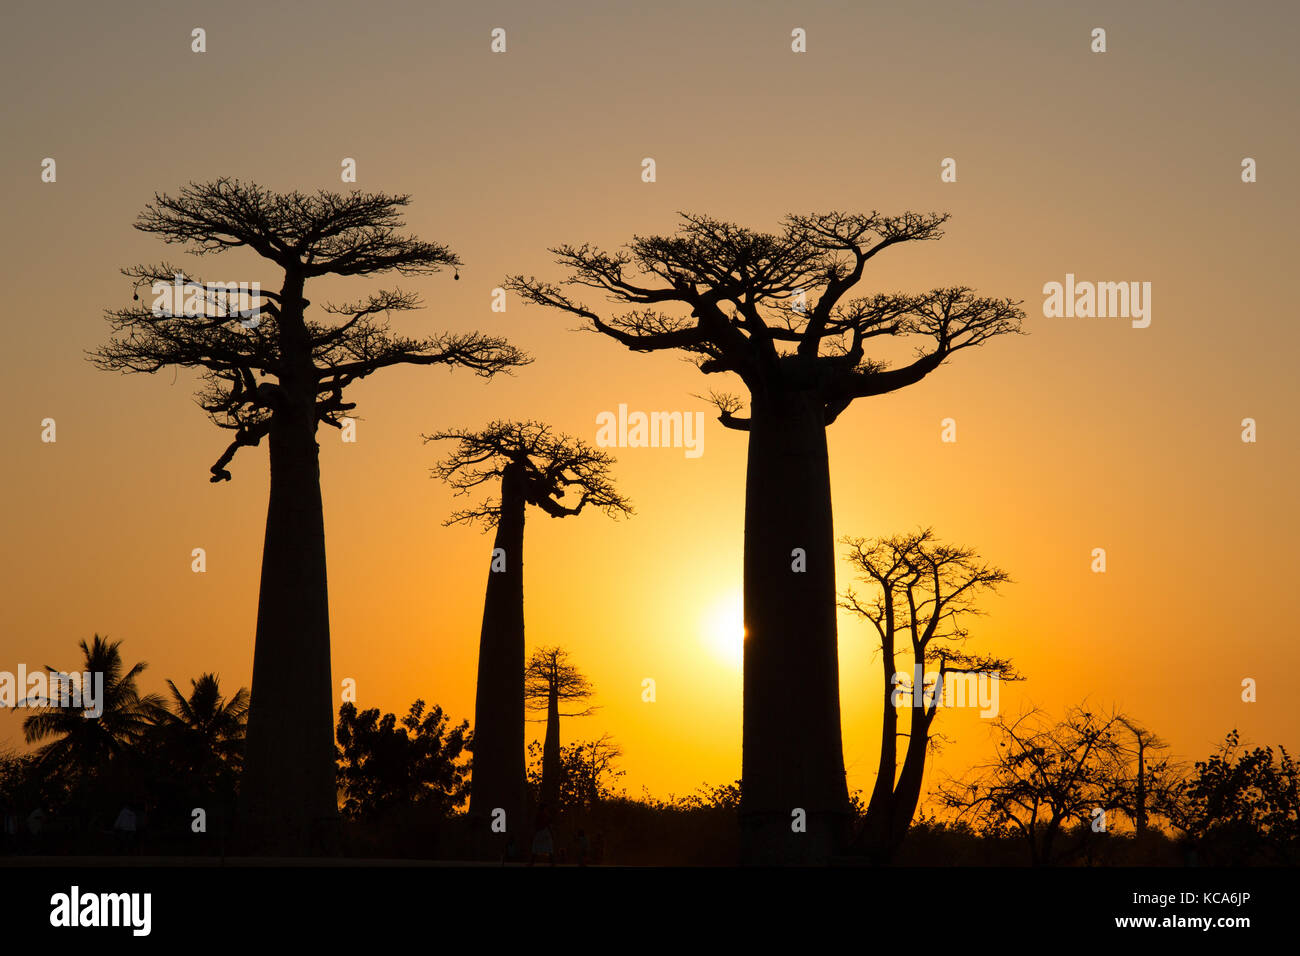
[288,793]
[551,747]
[793,762]
[497,781]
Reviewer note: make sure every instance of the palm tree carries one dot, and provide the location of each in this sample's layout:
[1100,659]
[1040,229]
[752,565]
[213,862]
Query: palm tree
[84,745]
[204,732]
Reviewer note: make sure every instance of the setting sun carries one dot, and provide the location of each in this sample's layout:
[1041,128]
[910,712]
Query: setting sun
[723,628]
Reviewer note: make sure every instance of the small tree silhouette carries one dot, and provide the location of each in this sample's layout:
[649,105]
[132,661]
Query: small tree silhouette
[1241,806]
[561,476]
[386,765]
[288,788]
[774,310]
[1045,779]
[94,763]
[1153,777]
[587,773]
[922,591]
[203,734]
[549,680]
[82,748]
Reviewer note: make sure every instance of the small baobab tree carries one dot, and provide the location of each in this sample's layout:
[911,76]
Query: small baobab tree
[775,310]
[560,476]
[552,681]
[1154,777]
[270,371]
[921,593]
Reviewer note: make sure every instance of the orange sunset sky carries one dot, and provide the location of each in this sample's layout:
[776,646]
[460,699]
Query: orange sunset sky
[1084,433]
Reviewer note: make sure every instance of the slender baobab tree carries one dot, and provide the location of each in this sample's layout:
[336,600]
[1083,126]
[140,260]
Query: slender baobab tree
[921,593]
[1153,776]
[774,310]
[271,371]
[560,476]
[551,680]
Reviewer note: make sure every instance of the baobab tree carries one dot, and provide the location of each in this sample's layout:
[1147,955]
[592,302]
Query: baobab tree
[1154,778]
[775,311]
[271,371]
[552,681]
[921,593]
[560,476]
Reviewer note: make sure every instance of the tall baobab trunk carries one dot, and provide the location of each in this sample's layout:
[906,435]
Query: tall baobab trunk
[288,793]
[498,775]
[792,758]
[551,748]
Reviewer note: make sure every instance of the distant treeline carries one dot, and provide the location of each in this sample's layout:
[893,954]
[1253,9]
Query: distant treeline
[159,774]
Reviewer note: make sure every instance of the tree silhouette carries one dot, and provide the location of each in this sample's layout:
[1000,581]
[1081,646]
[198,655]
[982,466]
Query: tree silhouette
[922,591]
[1045,779]
[193,754]
[384,767]
[560,476]
[1241,807]
[773,310]
[1152,778]
[549,680]
[20,784]
[83,747]
[288,788]
[203,734]
[587,772]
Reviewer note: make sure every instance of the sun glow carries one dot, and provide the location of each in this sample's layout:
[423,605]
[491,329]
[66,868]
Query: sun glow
[723,629]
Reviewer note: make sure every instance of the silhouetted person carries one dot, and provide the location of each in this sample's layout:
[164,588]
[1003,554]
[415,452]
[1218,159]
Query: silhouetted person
[35,825]
[125,828]
[543,838]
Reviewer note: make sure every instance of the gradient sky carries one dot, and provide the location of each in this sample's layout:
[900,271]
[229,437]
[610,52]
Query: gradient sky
[1085,433]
